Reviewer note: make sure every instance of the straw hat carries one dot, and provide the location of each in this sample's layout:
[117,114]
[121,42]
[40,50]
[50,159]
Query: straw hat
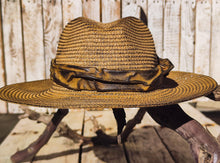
[110,65]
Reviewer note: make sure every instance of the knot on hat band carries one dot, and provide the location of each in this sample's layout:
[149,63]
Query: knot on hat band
[102,79]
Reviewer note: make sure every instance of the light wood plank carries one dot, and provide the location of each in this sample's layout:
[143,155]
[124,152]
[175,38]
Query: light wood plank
[205,121]
[203,27]
[155,23]
[172,32]
[91,9]
[61,149]
[58,149]
[215,35]
[71,10]
[133,8]
[52,14]
[102,154]
[13,46]
[33,39]
[3,108]
[187,45]
[110,10]
[24,133]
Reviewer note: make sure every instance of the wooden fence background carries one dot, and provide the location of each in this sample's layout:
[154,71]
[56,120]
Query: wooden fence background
[185,31]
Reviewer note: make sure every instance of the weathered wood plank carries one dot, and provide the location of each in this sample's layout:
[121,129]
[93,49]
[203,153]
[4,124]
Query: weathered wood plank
[155,23]
[208,106]
[187,46]
[58,149]
[33,39]
[25,132]
[110,10]
[134,8]
[176,145]
[61,149]
[144,145]
[205,121]
[203,31]
[215,35]
[172,32]
[3,108]
[32,20]
[13,45]
[71,10]
[102,154]
[52,14]
[92,9]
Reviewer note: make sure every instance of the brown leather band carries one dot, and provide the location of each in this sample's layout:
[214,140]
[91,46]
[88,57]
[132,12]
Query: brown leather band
[101,79]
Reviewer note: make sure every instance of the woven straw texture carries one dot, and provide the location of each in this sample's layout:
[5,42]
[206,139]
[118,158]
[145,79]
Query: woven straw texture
[48,94]
[123,45]
[126,44]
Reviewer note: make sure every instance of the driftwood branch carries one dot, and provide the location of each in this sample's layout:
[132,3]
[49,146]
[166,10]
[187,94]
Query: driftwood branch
[215,95]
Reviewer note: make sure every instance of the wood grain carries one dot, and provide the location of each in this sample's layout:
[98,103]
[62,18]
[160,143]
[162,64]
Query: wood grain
[203,31]
[172,32]
[52,16]
[187,42]
[3,104]
[155,23]
[13,46]
[33,39]
[215,40]
[133,8]
[91,9]
[110,10]
[71,10]
[144,145]
[102,153]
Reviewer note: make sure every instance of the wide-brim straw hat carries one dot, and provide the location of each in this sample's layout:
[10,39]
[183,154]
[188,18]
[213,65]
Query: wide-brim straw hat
[111,65]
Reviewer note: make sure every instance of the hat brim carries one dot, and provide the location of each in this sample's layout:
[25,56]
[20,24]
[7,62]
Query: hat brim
[179,87]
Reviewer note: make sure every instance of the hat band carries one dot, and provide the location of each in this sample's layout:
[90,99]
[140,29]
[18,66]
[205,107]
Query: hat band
[101,79]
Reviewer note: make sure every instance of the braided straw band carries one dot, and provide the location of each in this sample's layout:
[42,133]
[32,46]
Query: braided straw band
[101,79]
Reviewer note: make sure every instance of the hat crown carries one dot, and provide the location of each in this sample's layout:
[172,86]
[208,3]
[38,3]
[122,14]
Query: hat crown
[126,44]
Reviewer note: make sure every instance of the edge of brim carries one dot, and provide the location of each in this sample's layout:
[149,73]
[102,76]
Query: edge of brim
[46,93]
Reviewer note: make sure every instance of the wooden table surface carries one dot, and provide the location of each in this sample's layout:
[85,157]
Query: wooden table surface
[148,143]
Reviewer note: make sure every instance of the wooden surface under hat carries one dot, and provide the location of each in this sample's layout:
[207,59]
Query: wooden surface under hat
[180,86]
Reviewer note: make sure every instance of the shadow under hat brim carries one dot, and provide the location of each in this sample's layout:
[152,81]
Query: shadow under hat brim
[178,87]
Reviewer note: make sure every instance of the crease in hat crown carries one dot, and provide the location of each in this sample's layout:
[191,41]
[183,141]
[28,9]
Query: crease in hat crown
[126,44]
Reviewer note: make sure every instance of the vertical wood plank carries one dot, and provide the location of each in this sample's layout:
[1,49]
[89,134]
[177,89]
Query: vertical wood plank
[71,10]
[187,45]
[110,10]
[13,46]
[155,23]
[215,48]
[172,32]
[203,27]
[3,108]
[91,9]
[52,14]
[133,8]
[33,39]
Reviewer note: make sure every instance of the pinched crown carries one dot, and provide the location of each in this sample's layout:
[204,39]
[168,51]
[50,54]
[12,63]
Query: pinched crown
[126,44]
